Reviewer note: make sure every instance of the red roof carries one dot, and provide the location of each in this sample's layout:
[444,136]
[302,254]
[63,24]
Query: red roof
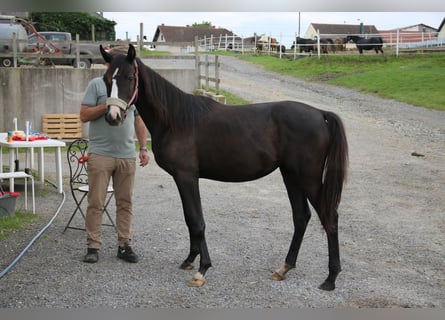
[187,34]
[343,29]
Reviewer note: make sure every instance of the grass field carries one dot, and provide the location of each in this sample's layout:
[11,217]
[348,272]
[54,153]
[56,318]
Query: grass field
[417,79]
[9,224]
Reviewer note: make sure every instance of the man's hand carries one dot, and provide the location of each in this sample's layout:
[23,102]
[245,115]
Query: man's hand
[144,158]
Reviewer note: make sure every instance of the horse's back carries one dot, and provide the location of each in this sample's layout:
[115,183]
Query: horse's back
[241,143]
[302,128]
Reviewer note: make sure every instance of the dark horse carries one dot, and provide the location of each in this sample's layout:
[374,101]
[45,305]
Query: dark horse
[374,43]
[196,137]
[306,45]
[310,45]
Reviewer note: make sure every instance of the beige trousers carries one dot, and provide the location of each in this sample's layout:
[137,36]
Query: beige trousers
[122,172]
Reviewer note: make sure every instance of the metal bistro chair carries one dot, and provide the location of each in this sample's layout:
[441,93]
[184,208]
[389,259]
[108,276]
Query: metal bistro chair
[77,157]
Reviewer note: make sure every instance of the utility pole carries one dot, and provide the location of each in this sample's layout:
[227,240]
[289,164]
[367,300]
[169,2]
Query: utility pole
[299,22]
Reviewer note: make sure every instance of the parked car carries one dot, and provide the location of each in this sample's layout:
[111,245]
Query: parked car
[61,43]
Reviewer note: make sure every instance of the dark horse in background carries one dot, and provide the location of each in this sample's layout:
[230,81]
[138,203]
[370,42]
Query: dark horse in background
[374,43]
[196,137]
[311,45]
[305,44]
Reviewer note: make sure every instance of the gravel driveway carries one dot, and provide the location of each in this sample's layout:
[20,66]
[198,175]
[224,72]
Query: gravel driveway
[392,224]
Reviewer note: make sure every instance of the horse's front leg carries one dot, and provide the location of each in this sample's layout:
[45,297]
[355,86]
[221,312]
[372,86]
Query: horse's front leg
[188,187]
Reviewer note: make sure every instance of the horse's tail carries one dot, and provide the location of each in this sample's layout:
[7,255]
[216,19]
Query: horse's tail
[335,170]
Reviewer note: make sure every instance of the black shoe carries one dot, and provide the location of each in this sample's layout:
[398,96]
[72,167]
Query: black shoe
[126,253]
[92,256]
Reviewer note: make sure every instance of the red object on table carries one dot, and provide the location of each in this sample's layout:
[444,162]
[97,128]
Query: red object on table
[31,138]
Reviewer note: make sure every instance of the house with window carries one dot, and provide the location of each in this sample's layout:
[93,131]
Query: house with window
[182,39]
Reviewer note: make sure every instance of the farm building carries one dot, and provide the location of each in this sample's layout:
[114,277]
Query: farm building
[410,36]
[339,30]
[184,37]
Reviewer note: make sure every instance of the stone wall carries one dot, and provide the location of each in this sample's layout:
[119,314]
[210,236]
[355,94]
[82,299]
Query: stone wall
[29,93]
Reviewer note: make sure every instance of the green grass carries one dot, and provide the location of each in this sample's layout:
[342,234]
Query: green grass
[148,53]
[232,99]
[18,221]
[417,79]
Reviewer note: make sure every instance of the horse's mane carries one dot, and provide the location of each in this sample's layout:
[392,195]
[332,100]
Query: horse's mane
[171,106]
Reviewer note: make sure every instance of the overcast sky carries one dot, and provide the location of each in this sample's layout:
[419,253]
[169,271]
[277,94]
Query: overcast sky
[276,24]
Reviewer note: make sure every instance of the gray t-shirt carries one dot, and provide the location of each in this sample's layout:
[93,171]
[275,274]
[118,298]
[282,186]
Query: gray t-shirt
[106,140]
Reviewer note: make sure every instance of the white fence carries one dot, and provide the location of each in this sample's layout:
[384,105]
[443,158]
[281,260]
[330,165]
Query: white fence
[394,42]
[225,42]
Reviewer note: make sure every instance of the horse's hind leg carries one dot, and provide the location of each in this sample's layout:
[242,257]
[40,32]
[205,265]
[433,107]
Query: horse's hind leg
[301,215]
[334,258]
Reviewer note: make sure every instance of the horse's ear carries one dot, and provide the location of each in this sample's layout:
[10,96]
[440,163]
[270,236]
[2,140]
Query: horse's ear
[131,54]
[107,57]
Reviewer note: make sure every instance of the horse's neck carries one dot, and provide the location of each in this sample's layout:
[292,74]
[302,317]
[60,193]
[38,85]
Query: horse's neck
[155,108]
[161,88]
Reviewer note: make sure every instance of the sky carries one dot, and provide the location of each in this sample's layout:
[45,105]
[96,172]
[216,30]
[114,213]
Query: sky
[280,25]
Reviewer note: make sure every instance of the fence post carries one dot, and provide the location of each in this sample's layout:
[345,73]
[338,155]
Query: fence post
[93,33]
[197,65]
[217,74]
[14,48]
[318,43]
[207,72]
[141,37]
[242,46]
[77,50]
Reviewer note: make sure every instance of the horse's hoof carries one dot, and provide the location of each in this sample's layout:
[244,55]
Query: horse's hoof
[327,286]
[187,266]
[277,277]
[197,280]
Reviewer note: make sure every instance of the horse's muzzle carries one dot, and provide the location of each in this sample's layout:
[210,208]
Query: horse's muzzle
[115,116]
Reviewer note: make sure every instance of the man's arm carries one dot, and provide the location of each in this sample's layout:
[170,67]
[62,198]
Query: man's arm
[141,135]
[88,113]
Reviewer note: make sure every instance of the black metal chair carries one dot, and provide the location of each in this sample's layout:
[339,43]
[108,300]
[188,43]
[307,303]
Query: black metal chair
[77,156]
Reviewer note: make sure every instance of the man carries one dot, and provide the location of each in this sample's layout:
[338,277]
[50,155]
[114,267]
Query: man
[111,154]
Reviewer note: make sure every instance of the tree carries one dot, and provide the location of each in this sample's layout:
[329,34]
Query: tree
[76,23]
[204,24]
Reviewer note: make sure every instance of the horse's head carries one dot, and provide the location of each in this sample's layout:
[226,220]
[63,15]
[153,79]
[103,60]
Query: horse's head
[121,79]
